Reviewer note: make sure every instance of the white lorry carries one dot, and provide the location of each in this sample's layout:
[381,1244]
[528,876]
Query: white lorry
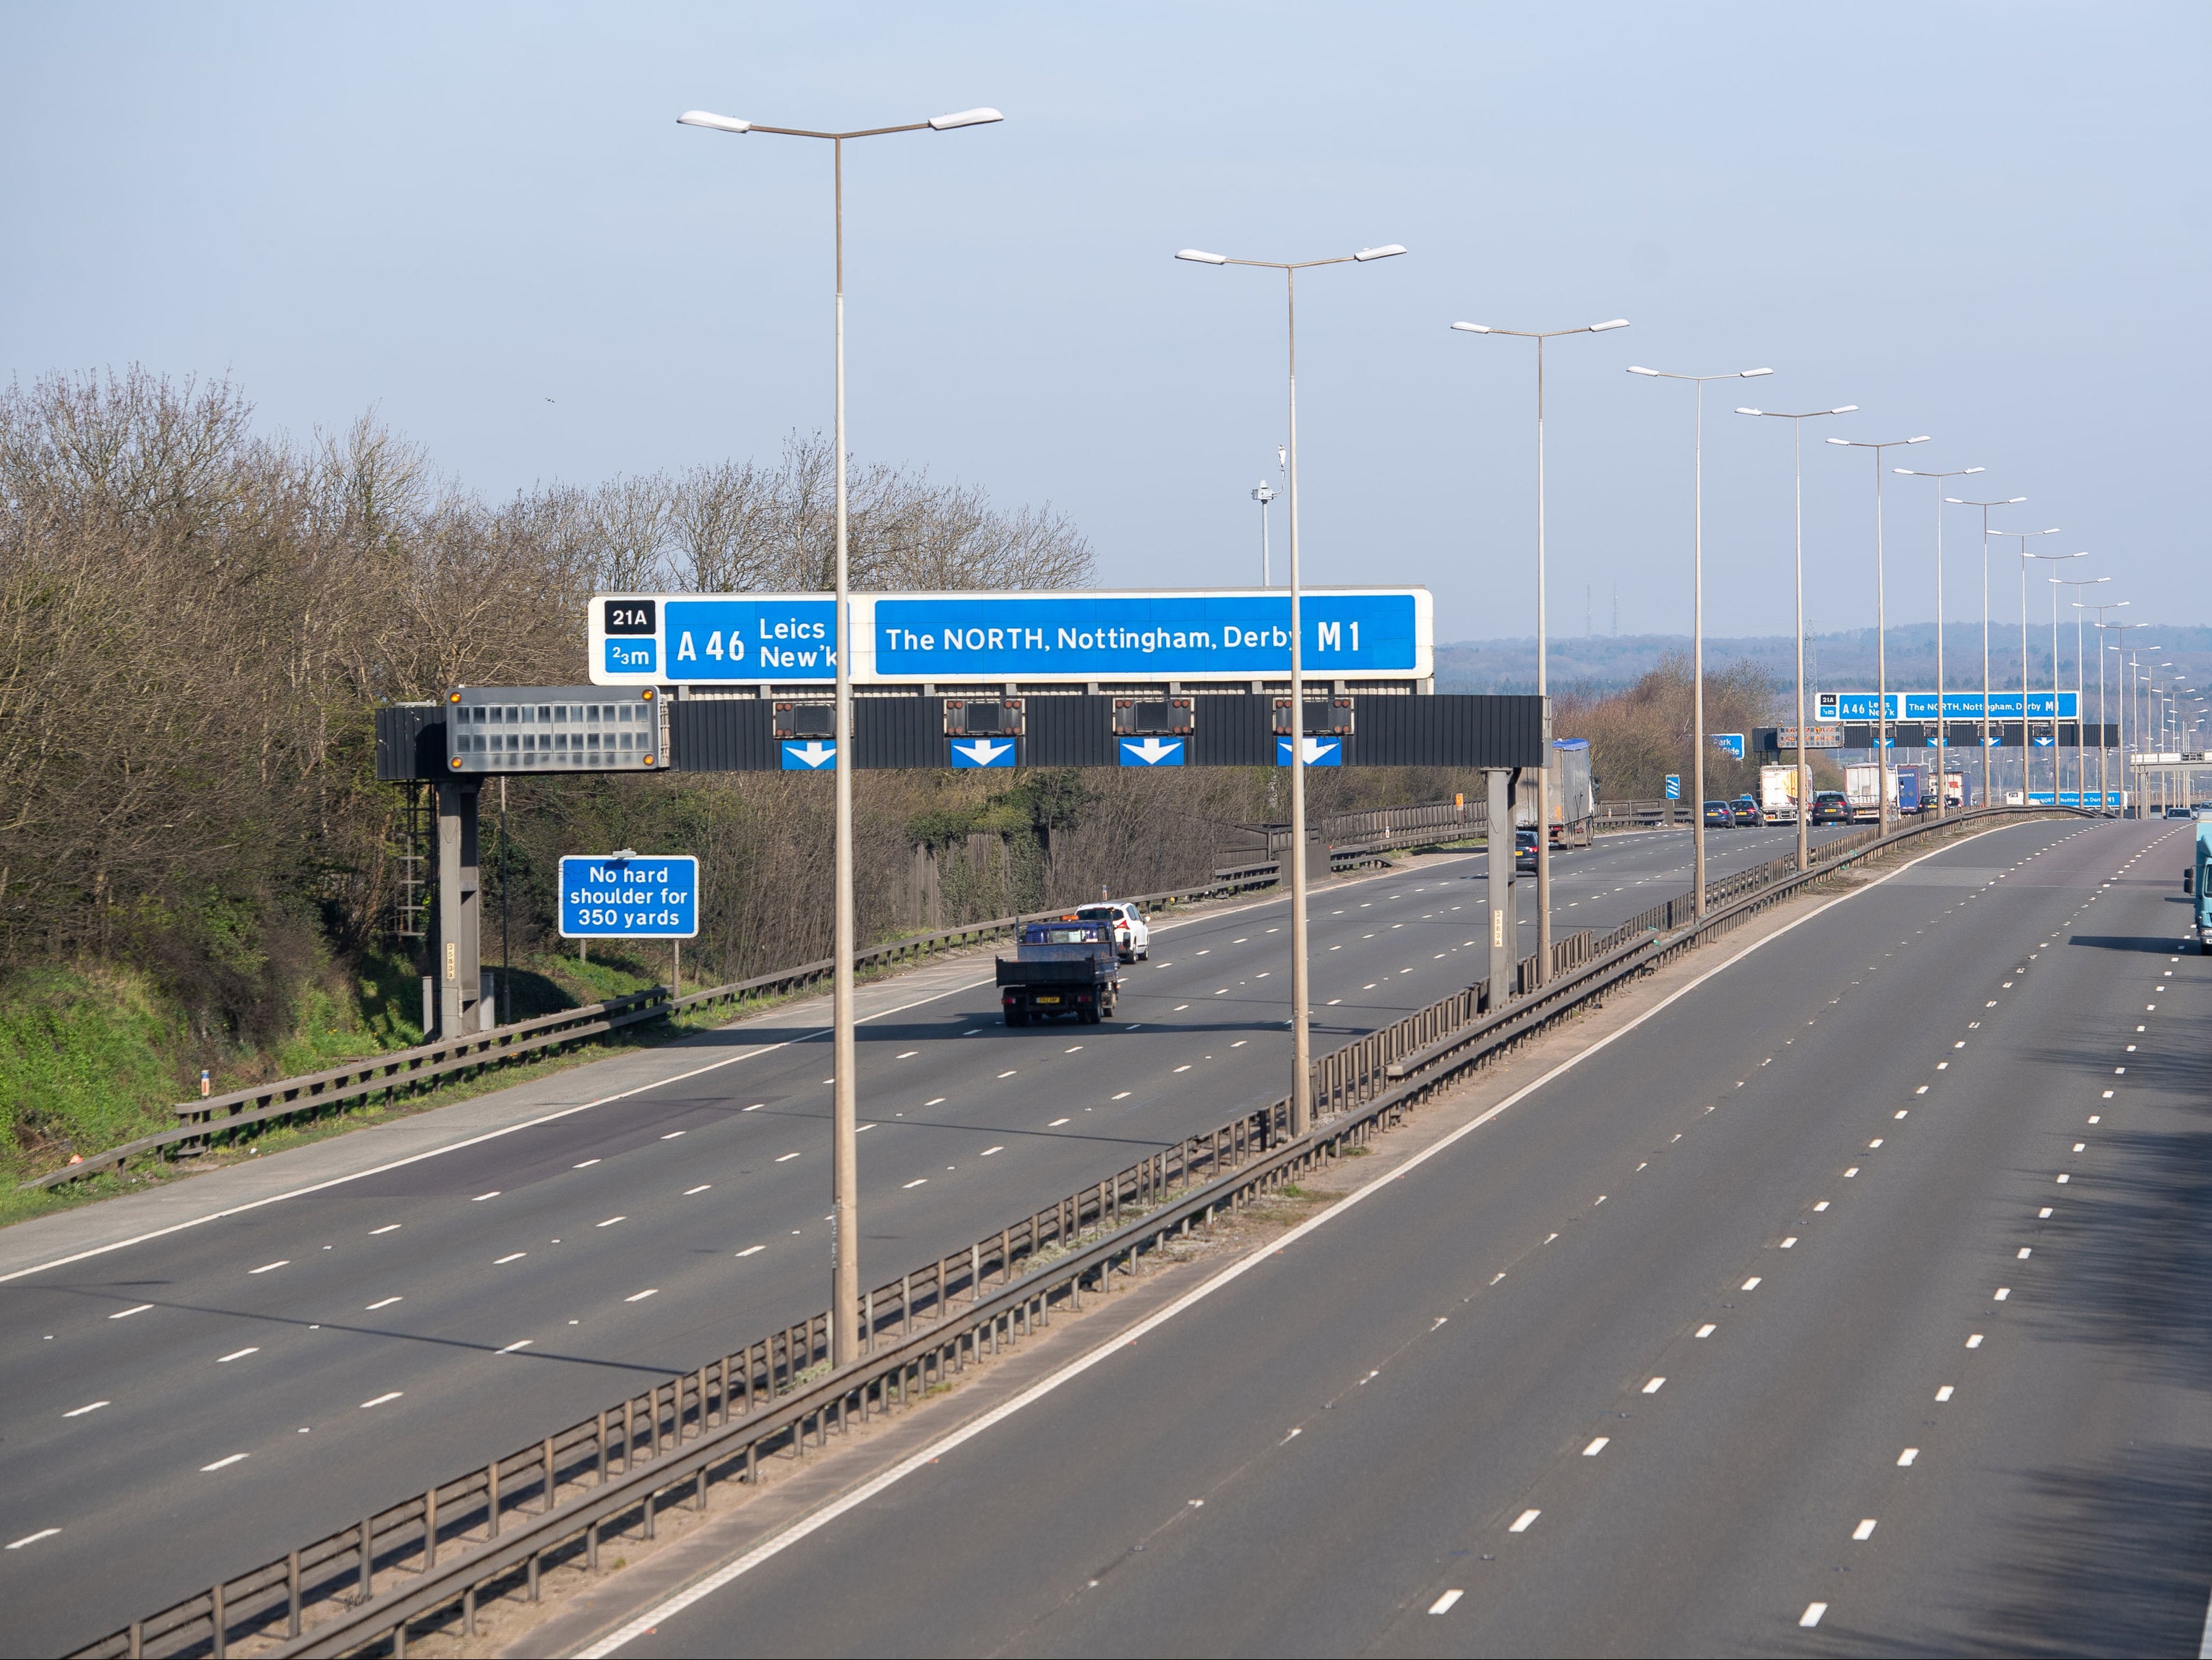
[1778,794]
[1570,793]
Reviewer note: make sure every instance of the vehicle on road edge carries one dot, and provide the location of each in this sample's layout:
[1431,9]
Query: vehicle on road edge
[1133,935]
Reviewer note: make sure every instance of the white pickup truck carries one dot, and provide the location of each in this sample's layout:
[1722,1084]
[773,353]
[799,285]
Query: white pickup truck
[1133,935]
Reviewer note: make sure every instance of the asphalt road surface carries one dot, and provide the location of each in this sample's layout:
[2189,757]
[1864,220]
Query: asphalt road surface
[188,1407]
[1854,1303]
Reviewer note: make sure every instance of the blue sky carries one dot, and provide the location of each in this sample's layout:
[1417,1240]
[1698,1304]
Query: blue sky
[1982,222]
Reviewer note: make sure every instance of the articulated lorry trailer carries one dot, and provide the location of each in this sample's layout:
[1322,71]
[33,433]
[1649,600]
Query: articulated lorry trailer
[1569,795]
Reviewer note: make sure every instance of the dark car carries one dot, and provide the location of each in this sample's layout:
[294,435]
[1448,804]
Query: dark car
[2177,812]
[1830,807]
[1524,848]
[1747,811]
[1719,816]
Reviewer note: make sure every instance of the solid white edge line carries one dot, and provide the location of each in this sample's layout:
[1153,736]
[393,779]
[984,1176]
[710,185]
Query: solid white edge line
[778,1543]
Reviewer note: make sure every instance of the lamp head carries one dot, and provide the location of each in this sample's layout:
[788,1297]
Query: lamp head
[1742,410]
[1637,369]
[716,123]
[963,119]
[1199,256]
[1752,374]
[1617,323]
[1473,328]
[1388,251]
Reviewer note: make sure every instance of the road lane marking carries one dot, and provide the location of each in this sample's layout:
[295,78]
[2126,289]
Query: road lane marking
[1442,1605]
[493,1193]
[638,1297]
[512,1256]
[1904,1459]
[220,1463]
[750,1250]
[2024,1251]
[785,1158]
[282,1262]
[236,1355]
[1521,1523]
[1822,1206]
[702,1188]
[81,1411]
[1864,1531]
[924,1457]
[1943,1394]
[387,1228]
[2004,1293]
[385,1304]
[916,1182]
[1596,1446]
[33,1538]
[1707,1330]
[524,1343]
[611,1221]
[127,1313]
[1975,1341]
[1055,1123]
[389,1395]
[908,1055]
[1655,1386]
[1752,1284]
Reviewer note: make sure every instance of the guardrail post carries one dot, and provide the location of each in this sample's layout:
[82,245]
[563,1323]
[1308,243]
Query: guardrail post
[429,1538]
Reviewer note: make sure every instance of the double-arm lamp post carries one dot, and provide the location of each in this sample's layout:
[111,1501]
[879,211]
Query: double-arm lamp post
[2026,731]
[1986,506]
[2104,782]
[1301,1044]
[1943,768]
[1698,617]
[1881,628]
[2081,715]
[1798,474]
[846,1338]
[1543,684]
[2054,762]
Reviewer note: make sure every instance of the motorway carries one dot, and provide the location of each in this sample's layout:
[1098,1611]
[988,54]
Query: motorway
[291,1367]
[1855,1302]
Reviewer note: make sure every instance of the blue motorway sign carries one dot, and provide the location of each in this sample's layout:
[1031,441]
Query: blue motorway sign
[1730,741]
[809,754]
[1182,634]
[1957,706]
[1673,787]
[1319,752]
[1152,751]
[639,897]
[982,752]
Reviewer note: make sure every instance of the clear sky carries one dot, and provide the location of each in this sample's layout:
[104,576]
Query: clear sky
[1982,222]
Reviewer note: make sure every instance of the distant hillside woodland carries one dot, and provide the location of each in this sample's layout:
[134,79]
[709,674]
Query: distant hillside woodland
[196,622]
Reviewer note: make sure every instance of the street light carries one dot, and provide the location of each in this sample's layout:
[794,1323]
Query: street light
[846,1338]
[1543,684]
[1881,630]
[2104,784]
[2080,759]
[2009,500]
[1797,473]
[2025,730]
[2025,746]
[1301,1047]
[1698,617]
[1942,769]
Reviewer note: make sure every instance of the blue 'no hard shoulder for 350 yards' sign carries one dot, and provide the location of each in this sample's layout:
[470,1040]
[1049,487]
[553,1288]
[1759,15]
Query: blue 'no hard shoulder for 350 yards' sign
[1225,635]
[632,896]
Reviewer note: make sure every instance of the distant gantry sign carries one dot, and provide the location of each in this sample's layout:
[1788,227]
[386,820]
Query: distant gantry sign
[962,639]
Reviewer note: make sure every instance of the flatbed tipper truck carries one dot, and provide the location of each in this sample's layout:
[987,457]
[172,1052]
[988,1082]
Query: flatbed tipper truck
[1067,965]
